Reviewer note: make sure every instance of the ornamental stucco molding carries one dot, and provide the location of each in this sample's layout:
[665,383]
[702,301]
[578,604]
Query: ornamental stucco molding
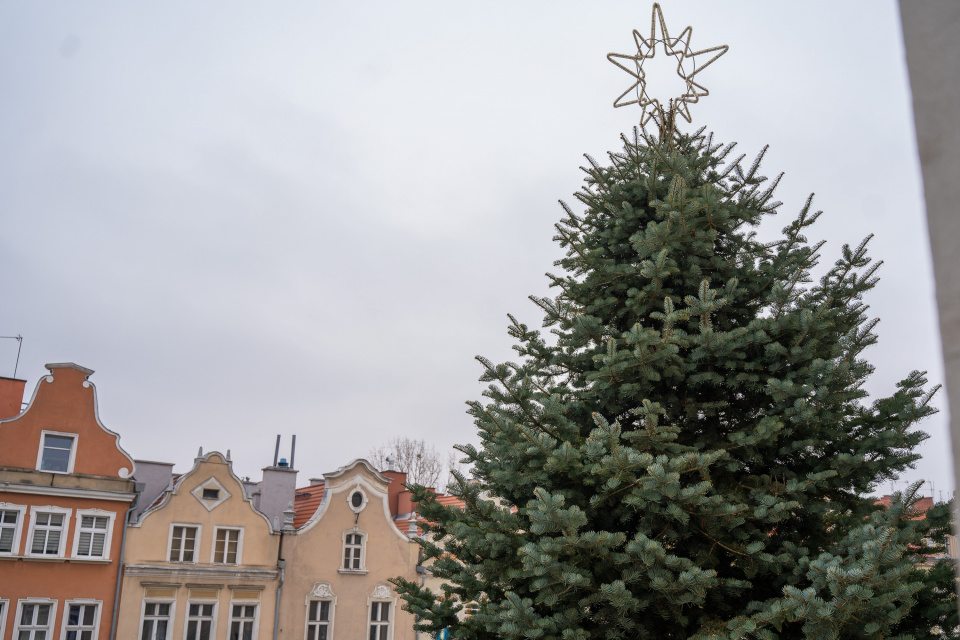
[321,590]
[381,591]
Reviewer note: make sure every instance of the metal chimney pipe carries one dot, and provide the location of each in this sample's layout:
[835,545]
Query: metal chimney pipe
[276,451]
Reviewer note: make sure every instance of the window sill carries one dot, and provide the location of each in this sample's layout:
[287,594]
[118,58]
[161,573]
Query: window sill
[356,571]
[44,558]
[91,560]
[55,559]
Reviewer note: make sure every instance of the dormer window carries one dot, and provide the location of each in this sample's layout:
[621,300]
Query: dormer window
[57,452]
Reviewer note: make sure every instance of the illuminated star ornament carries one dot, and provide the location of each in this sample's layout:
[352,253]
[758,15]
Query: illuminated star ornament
[679,48]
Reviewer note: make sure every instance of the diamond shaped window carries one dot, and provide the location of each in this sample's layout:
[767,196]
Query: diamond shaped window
[211,493]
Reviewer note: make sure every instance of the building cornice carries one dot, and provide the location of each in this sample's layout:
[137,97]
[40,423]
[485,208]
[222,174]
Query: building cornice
[199,574]
[67,492]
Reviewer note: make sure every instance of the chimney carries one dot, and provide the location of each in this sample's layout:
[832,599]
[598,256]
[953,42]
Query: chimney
[397,478]
[404,502]
[277,490]
[11,397]
[279,485]
[155,477]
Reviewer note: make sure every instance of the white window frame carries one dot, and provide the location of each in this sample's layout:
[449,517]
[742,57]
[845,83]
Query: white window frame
[34,512]
[363,551]
[382,594]
[4,607]
[321,592]
[363,502]
[256,615]
[17,531]
[196,547]
[213,623]
[213,546]
[82,602]
[94,513]
[172,616]
[28,601]
[73,449]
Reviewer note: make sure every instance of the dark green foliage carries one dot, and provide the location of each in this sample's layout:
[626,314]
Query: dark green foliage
[689,455]
[934,616]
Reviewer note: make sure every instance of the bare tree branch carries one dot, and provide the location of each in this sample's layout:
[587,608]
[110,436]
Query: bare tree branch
[421,462]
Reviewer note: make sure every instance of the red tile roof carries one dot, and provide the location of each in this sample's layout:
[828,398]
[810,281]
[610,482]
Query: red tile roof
[305,504]
[921,506]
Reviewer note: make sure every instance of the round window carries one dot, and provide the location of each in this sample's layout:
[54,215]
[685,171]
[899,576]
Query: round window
[356,500]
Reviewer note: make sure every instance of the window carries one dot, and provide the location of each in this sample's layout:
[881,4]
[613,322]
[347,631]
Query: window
[243,618]
[210,493]
[156,621]
[11,522]
[92,539]
[318,620]
[57,452]
[81,621]
[183,542]
[320,602]
[34,620]
[226,546]
[4,605]
[357,500]
[353,551]
[200,621]
[48,532]
[379,620]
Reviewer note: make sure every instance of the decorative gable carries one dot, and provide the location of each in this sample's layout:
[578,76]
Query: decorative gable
[64,405]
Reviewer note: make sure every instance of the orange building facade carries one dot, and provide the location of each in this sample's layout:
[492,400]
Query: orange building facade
[65,490]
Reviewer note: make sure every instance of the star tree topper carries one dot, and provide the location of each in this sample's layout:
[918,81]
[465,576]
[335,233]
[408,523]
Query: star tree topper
[680,49]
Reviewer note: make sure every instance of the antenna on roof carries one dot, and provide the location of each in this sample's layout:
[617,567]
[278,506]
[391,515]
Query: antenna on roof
[19,339]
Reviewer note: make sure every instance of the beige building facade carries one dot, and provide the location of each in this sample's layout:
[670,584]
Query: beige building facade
[339,560]
[201,562]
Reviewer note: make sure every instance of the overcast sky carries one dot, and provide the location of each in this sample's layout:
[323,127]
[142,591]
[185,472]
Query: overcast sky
[307,218]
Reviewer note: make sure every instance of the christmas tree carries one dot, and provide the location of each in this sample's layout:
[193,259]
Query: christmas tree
[690,454]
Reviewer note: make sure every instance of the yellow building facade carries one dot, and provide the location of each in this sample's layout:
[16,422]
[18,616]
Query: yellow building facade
[201,562]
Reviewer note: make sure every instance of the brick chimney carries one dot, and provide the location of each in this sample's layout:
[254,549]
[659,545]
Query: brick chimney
[11,397]
[397,478]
